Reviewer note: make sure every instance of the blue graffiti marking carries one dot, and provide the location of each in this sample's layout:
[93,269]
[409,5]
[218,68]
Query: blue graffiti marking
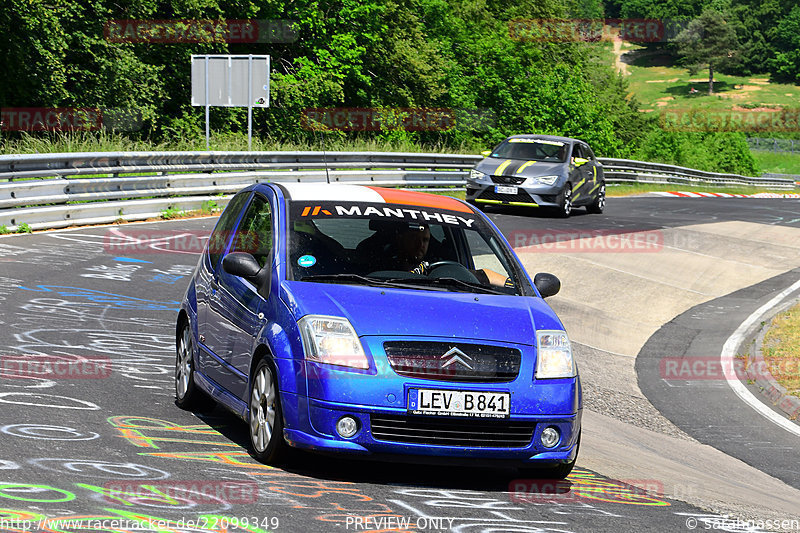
[107,299]
[131,260]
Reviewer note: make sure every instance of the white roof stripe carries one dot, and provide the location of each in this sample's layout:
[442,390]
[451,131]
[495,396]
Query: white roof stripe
[323,192]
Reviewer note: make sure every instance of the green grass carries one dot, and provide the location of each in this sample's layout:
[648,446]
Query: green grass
[660,86]
[777,162]
[641,188]
[781,349]
[107,142]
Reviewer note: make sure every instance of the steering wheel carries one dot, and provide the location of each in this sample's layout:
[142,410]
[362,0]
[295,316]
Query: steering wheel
[460,272]
[442,263]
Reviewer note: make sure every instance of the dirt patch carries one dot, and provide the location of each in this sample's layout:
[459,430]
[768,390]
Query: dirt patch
[745,109]
[671,80]
[759,81]
[620,65]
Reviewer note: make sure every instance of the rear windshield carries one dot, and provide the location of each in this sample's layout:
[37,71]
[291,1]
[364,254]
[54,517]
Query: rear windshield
[413,247]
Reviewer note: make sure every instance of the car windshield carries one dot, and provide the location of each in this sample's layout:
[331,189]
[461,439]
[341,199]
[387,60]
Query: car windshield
[532,150]
[399,246]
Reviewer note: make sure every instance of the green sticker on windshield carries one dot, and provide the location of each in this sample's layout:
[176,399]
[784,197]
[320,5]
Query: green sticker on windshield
[306,261]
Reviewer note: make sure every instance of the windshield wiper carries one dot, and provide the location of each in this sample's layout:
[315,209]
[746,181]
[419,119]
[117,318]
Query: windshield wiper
[398,283]
[452,283]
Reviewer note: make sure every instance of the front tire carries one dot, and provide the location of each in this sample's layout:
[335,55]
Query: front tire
[565,202]
[266,417]
[599,202]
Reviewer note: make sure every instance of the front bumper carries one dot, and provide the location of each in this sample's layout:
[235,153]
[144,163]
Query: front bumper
[377,400]
[527,196]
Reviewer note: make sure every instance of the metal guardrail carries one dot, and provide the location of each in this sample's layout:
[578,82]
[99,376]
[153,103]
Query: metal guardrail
[624,170]
[59,190]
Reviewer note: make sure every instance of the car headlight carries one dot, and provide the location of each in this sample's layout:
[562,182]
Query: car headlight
[554,357]
[331,340]
[476,175]
[545,180]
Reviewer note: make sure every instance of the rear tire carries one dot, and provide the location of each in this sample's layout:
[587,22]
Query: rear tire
[599,202]
[265,421]
[187,394]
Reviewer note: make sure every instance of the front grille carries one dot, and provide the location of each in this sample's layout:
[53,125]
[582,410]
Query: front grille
[445,361]
[521,196]
[438,431]
[507,180]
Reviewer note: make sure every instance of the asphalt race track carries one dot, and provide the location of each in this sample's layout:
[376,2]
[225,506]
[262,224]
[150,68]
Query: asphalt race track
[108,450]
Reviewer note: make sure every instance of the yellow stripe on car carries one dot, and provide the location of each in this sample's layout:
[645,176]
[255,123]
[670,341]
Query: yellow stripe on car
[502,167]
[523,167]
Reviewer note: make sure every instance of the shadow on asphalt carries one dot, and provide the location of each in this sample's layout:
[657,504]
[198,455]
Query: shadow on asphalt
[379,472]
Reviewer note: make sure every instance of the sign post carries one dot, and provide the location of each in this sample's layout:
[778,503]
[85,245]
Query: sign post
[231,81]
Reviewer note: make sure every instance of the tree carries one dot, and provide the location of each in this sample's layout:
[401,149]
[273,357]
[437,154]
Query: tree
[709,41]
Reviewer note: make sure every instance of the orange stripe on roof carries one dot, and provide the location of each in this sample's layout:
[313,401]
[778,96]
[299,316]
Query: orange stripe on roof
[396,196]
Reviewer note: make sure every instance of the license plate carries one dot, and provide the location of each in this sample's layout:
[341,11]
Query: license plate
[478,404]
[502,189]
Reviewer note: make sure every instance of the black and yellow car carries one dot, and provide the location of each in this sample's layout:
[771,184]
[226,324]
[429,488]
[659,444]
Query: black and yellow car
[539,171]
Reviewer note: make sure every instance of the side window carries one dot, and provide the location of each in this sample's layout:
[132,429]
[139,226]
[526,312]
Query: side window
[577,151]
[219,237]
[589,152]
[254,234]
[482,255]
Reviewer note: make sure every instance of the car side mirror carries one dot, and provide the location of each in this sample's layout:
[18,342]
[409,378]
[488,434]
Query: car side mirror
[579,161]
[241,264]
[547,284]
[486,153]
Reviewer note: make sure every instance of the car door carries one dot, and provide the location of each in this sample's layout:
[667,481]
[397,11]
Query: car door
[236,308]
[206,283]
[583,172]
[596,171]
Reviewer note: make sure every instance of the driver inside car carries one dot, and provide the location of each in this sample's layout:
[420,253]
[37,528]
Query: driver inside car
[411,245]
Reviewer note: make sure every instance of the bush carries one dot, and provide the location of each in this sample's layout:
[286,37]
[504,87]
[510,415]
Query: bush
[709,151]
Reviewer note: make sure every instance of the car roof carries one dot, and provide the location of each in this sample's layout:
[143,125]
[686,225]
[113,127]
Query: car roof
[545,138]
[338,192]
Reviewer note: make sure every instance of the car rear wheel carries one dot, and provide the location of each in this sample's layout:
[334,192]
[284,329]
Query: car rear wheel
[565,202]
[266,417]
[187,394]
[599,202]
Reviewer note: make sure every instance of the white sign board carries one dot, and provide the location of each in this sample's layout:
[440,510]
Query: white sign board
[230,81]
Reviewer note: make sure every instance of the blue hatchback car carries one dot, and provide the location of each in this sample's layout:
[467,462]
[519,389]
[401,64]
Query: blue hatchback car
[381,323]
